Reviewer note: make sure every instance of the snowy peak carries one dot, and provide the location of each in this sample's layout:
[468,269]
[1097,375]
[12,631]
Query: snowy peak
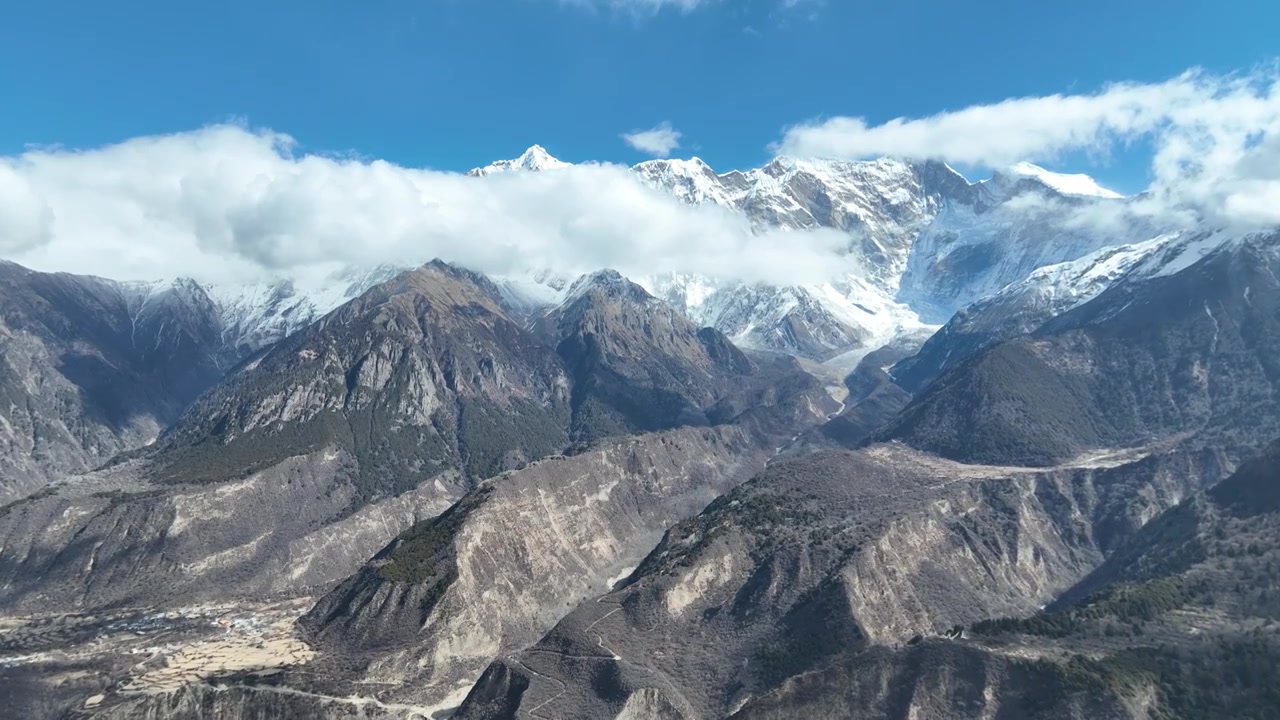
[255,315]
[691,181]
[535,159]
[610,284]
[676,166]
[1078,184]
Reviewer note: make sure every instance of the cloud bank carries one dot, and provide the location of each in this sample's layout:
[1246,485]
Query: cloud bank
[657,141]
[1216,138]
[227,204]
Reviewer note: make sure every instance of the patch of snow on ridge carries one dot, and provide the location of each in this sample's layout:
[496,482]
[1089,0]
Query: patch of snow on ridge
[1191,249]
[1078,281]
[1077,184]
[533,289]
[691,181]
[257,314]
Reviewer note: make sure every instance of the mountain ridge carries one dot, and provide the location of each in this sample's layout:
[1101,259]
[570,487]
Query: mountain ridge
[891,210]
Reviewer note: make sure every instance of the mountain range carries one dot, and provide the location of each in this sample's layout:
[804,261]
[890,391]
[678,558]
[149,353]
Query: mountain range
[1007,462]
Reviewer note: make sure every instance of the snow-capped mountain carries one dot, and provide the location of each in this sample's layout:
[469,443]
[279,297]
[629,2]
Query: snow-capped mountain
[1081,185]
[533,290]
[246,316]
[970,252]
[882,204]
[923,241]
[257,314]
[535,158]
[1048,292]
[806,320]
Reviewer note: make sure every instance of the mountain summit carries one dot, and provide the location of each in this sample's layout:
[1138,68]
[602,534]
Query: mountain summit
[1077,184]
[535,158]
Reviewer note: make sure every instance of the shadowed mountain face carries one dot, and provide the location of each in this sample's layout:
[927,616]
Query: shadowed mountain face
[91,367]
[1254,489]
[420,375]
[1188,354]
[1023,307]
[636,364]
[1224,535]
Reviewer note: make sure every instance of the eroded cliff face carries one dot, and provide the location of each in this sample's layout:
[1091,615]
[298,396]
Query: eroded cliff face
[937,679]
[498,570]
[236,701]
[834,553]
[112,538]
[406,635]
[45,430]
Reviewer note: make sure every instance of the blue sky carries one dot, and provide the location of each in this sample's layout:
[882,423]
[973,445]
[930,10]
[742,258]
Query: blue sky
[449,84]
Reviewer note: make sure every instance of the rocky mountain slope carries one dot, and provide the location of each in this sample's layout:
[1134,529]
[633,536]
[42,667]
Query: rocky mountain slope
[113,538]
[500,568]
[825,556]
[312,455]
[420,375]
[806,589]
[1181,621]
[411,631]
[94,367]
[423,618]
[1178,622]
[636,363]
[298,466]
[90,367]
[1184,354]
[1022,307]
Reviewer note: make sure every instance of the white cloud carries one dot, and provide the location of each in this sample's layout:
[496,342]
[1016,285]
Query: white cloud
[26,222]
[226,204]
[1209,133]
[657,141]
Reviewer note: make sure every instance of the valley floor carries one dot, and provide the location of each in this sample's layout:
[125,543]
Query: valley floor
[131,652]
